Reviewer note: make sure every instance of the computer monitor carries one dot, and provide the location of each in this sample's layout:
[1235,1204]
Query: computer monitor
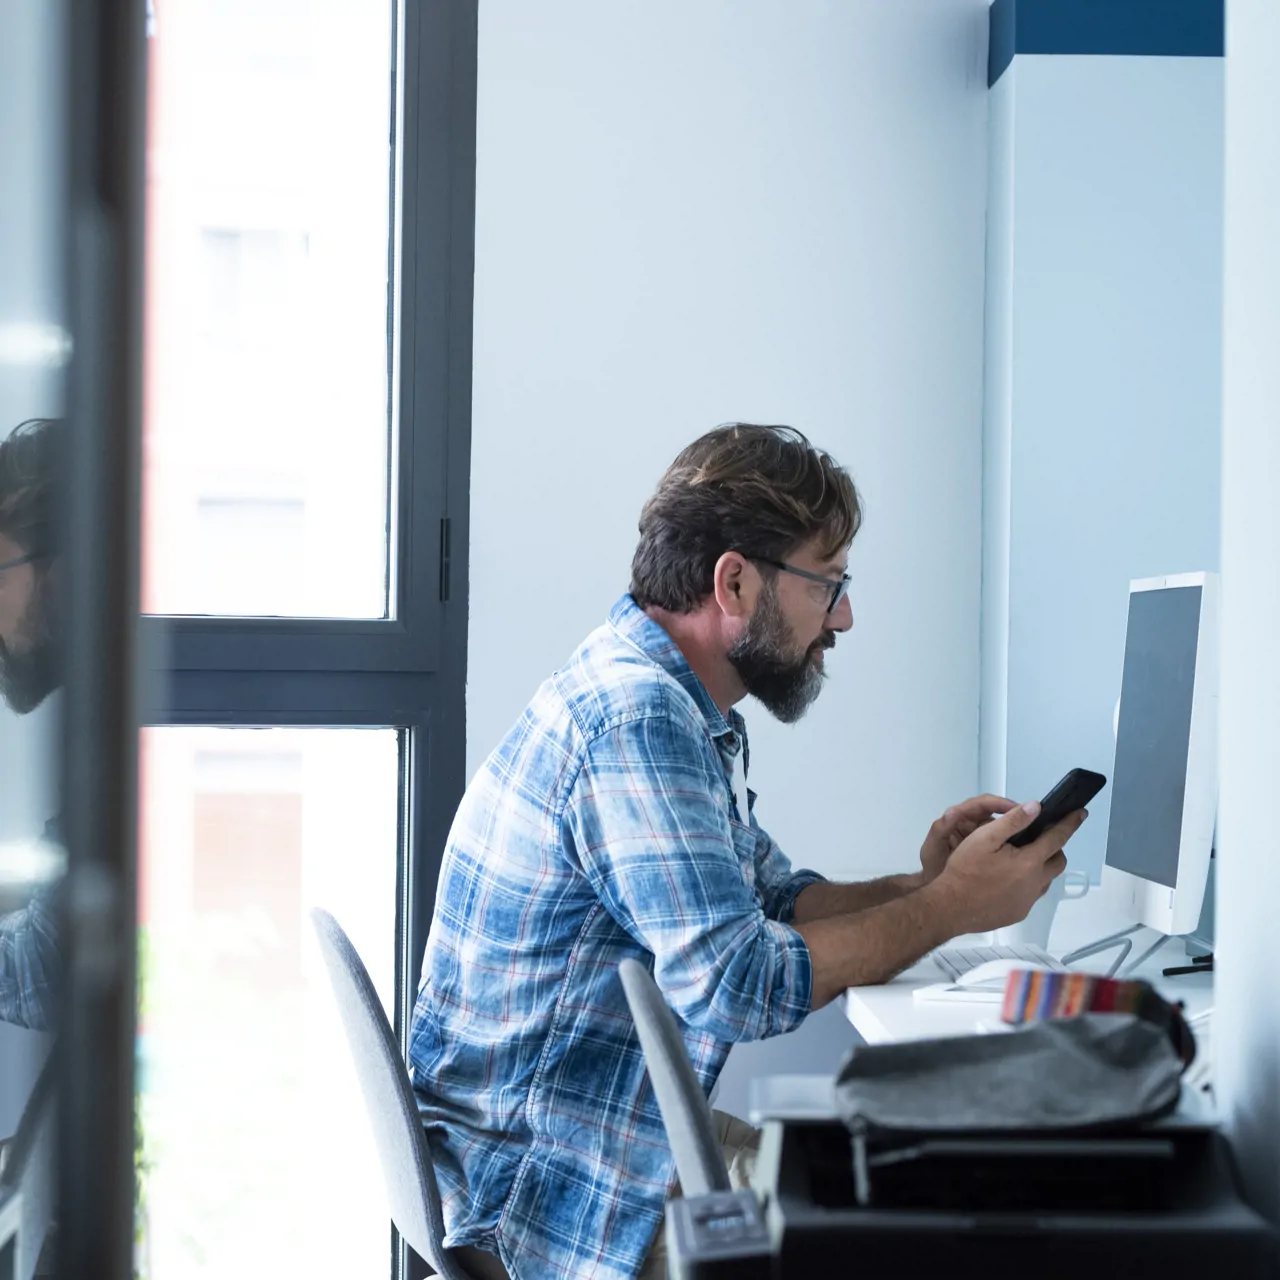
[1164,786]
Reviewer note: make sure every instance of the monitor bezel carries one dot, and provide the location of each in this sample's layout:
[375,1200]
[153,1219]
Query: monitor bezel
[1176,910]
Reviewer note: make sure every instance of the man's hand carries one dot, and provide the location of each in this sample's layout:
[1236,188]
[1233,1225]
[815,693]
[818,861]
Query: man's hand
[984,883]
[988,884]
[955,826]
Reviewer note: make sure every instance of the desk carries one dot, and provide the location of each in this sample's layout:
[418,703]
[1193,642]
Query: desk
[889,1012]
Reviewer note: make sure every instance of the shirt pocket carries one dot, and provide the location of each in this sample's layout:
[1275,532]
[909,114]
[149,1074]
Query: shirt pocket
[744,845]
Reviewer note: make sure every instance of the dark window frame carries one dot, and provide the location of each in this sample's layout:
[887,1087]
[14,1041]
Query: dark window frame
[407,672]
[434,98]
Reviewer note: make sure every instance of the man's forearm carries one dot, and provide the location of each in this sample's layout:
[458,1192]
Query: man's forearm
[822,900]
[873,944]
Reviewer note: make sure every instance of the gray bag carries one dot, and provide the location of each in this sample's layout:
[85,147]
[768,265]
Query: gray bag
[1007,1109]
[1094,1072]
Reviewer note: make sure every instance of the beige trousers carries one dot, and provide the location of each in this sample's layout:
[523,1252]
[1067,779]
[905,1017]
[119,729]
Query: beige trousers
[739,1142]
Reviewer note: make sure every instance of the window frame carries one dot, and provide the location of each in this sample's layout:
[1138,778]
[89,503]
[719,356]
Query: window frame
[407,672]
[431,257]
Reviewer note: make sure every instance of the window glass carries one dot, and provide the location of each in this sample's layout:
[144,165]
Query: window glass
[267,423]
[34,344]
[254,1154]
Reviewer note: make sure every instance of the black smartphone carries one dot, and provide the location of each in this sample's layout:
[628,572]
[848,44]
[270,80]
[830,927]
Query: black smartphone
[1072,792]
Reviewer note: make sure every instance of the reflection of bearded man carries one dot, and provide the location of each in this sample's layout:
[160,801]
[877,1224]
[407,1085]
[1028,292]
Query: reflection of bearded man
[30,670]
[30,657]
[30,666]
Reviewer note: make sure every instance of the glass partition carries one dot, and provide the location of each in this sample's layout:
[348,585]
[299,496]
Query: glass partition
[34,349]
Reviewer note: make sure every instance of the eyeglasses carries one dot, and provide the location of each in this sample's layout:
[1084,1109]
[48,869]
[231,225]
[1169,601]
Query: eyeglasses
[13,564]
[839,586]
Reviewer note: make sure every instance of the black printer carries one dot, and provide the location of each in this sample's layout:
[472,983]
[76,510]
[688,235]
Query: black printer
[1162,1201]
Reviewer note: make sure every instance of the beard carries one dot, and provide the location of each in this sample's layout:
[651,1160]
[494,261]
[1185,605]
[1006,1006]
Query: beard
[31,668]
[765,658]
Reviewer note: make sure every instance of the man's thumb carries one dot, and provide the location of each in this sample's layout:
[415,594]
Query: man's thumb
[1020,816]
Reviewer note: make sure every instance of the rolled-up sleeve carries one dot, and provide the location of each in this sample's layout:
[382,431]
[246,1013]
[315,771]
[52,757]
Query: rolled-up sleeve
[648,821]
[29,964]
[778,885]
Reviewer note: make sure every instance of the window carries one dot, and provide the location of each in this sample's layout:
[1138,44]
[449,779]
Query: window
[255,290]
[245,1081]
[306,434]
[269,187]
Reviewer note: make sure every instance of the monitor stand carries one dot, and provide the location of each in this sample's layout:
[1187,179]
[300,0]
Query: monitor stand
[1121,940]
[1124,941]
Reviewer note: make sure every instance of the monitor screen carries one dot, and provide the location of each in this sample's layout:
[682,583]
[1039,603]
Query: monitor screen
[1150,777]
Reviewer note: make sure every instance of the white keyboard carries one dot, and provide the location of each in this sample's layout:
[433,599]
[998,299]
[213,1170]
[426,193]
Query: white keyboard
[954,961]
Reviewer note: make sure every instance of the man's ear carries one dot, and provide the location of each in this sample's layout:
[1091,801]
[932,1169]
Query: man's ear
[735,583]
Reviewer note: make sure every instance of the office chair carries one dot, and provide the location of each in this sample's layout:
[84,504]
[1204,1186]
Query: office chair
[686,1114]
[412,1193]
[30,1169]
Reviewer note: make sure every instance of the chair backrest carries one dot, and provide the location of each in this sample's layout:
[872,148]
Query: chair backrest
[686,1115]
[30,1168]
[412,1193]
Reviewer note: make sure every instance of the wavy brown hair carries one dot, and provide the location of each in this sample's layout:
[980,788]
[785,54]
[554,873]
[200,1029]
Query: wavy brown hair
[30,463]
[764,491]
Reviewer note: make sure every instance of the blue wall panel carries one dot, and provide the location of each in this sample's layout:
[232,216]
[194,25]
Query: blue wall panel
[1144,28]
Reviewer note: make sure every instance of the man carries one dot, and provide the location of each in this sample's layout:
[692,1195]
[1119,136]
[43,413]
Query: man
[30,670]
[614,821]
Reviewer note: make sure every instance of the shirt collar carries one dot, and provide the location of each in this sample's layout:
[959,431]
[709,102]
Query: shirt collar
[639,630]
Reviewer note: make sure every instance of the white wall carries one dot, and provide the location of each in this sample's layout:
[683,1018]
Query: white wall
[770,210]
[1104,403]
[1247,1030]
[997,436]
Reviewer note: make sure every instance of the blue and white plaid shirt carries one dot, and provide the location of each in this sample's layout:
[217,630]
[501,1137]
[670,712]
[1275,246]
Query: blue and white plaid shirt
[603,826]
[29,964]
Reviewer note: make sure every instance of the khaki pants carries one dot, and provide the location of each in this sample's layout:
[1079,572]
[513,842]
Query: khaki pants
[739,1142]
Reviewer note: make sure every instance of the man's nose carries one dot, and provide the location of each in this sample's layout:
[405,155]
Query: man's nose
[842,619]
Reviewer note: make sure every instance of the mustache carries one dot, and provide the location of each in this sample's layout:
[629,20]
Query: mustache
[827,640]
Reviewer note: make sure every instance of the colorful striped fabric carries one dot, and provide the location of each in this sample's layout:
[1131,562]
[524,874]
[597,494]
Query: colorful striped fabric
[1034,995]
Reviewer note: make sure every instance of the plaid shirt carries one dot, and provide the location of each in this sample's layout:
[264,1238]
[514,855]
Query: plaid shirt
[29,964]
[603,826]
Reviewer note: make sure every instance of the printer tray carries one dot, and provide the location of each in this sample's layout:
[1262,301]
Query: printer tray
[1113,1174]
[1085,1221]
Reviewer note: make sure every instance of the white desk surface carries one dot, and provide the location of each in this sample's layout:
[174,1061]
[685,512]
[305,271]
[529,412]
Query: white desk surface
[889,1013]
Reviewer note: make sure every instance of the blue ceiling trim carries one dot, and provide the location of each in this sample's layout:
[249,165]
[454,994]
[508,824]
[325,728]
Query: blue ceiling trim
[1142,28]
